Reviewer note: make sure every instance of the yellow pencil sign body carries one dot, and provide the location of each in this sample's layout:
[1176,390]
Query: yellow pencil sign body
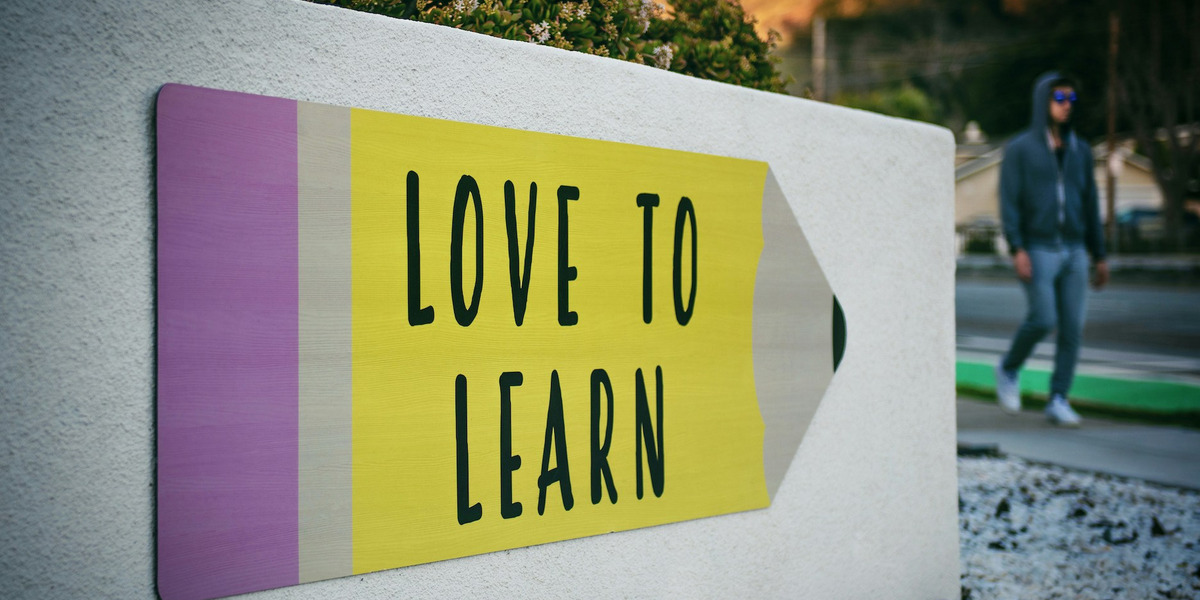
[558,221]
[508,338]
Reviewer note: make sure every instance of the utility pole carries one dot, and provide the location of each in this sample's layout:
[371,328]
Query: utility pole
[1114,26]
[818,65]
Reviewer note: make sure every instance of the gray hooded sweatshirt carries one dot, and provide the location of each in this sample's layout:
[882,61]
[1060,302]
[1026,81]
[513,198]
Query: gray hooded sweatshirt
[1045,203]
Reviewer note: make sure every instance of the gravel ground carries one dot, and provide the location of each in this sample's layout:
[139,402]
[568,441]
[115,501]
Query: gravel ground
[1038,531]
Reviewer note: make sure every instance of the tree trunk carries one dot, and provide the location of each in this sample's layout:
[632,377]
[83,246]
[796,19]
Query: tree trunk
[1160,77]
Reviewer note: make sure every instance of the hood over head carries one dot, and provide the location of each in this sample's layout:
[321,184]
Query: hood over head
[1040,118]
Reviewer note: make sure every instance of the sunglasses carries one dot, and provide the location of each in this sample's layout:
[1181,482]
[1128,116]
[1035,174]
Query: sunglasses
[1061,97]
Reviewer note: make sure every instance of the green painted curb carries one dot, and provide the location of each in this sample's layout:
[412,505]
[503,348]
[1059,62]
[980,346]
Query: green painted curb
[1159,398]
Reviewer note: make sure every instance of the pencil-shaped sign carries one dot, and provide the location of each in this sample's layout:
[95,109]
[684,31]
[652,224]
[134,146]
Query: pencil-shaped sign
[386,340]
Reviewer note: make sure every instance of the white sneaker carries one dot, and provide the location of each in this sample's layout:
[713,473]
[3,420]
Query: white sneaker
[1008,390]
[1059,413]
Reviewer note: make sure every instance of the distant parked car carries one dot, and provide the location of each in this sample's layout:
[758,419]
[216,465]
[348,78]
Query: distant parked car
[1140,229]
[1144,229]
[979,235]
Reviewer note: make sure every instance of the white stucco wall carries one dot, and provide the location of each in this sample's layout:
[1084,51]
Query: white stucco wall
[868,508]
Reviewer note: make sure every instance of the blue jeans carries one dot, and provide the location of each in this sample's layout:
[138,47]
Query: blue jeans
[1056,296]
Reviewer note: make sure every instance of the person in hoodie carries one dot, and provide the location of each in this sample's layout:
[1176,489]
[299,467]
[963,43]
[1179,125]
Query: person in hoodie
[1051,218]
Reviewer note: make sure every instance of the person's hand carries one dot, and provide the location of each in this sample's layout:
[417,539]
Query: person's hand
[1100,277]
[1024,267]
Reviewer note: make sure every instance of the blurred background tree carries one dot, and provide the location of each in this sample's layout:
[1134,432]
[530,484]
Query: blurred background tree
[709,39]
[1159,74]
[904,101]
[975,60]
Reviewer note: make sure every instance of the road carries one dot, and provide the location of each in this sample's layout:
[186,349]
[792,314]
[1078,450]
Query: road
[1154,329]
[1162,320]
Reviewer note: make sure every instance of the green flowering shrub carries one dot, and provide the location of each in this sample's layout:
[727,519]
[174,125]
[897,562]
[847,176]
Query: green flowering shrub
[713,39]
[709,39]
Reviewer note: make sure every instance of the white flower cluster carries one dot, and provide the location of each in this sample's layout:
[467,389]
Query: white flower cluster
[539,32]
[663,55]
[464,7]
[576,10]
[647,10]
[1037,531]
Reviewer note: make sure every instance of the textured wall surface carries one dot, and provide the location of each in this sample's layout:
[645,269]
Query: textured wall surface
[868,508]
